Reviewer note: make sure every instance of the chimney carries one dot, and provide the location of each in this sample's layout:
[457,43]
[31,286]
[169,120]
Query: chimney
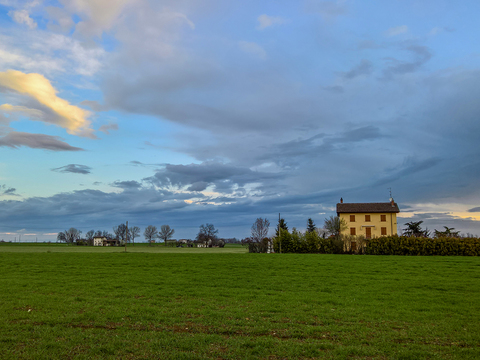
[392,202]
[341,200]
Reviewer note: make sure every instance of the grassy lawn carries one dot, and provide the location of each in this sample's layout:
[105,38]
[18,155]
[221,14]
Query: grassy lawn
[83,302]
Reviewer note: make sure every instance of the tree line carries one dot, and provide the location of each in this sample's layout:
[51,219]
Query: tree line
[207,235]
[121,234]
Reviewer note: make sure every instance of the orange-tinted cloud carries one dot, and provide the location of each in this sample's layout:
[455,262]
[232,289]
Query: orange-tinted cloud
[58,111]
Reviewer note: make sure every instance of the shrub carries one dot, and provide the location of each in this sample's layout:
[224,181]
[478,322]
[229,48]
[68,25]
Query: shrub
[256,246]
[403,245]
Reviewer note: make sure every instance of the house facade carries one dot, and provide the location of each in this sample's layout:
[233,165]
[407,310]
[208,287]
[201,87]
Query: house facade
[98,240]
[369,219]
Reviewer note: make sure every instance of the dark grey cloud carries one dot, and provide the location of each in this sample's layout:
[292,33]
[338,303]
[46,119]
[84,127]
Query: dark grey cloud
[141,164]
[409,167]
[365,67]
[198,186]
[291,152]
[475,209]
[197,177]
[336,89]
[16,139]
[132,184]
[421,55]
[74,168]
[10,191]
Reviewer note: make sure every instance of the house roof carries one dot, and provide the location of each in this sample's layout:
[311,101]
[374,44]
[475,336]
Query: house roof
[367,208]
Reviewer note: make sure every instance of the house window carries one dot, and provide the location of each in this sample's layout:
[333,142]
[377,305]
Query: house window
[353,231]
[384,231]
[352,218]
[367,218]
[383,217]
[368,232]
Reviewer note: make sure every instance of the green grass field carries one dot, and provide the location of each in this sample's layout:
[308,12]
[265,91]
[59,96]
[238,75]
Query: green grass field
[83,302]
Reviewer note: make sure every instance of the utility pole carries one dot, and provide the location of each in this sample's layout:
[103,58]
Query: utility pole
[279,238]
[126,236]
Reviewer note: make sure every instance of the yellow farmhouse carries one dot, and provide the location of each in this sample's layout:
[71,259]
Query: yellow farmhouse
[369,219]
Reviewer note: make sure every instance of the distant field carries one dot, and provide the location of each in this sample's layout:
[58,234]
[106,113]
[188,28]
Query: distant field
[140,247]
[79,302]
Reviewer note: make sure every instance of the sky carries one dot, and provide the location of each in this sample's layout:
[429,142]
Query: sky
[186,112]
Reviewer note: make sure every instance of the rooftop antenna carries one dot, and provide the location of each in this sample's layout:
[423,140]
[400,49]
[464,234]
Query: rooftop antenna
[390,189]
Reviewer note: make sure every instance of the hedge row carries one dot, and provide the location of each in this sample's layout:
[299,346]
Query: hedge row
[402,245]
[309,242]
[304,243]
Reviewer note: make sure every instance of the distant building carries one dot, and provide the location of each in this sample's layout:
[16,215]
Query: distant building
[103,241]
[98,240]
[369,219]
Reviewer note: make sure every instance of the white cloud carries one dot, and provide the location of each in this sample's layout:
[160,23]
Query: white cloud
[394,31]
[22,17]
[253,48]
[265,21]
[438,30]
[48,53]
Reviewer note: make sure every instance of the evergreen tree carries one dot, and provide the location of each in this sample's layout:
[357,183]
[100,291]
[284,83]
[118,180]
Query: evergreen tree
[283,225]
[310,225]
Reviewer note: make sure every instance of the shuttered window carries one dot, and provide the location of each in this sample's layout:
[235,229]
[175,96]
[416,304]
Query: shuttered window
[353,231]
[352,218]
[367,218]
[383,217]
[384,231]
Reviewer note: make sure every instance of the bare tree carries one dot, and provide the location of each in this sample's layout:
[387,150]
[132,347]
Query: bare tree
[89,236]
[107,235]
[61,237]
[134,232]
[150,233]
[120,233]
[165,233]
[69,236]
[207,234]
[260,229]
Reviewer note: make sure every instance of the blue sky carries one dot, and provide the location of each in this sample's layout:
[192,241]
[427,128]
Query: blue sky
[187,112]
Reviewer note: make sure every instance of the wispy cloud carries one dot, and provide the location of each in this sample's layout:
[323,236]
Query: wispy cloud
[22,17]
[16,139]
[253,49]
[421,55]
[394,31]
[8,191]
[107,128]
[438,30]
[364,68]
[264,21]
[74,168]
